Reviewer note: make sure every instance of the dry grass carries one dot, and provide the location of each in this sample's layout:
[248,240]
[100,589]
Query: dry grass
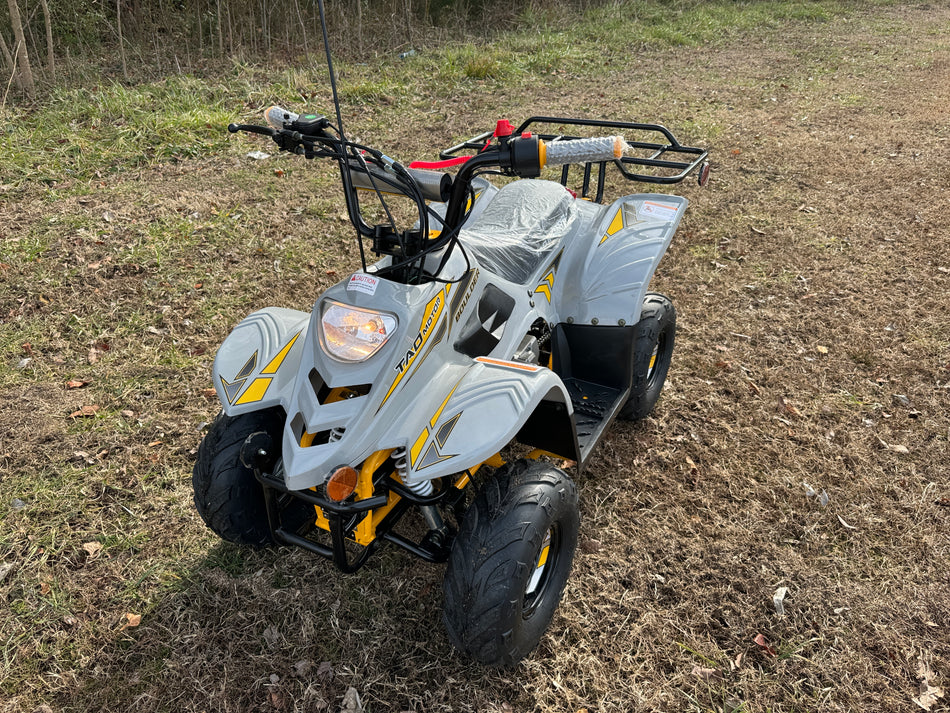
[811,284]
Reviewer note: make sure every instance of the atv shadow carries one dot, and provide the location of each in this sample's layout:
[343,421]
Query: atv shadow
[281,630]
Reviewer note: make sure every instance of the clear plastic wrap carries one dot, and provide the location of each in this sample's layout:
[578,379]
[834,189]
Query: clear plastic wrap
[521,226]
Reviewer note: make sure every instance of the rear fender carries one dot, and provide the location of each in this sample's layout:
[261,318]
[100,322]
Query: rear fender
[482,412]
[256,366]
[607,284]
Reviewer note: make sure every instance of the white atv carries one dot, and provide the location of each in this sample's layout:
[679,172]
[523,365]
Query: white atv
[491,345]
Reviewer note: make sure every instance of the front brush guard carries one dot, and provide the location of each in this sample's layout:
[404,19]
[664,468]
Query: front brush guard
[256,453]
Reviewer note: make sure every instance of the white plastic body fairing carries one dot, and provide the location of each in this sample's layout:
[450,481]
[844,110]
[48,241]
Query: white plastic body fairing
[442,391]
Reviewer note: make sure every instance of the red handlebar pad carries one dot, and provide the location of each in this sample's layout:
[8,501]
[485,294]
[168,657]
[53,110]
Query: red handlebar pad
[448,163]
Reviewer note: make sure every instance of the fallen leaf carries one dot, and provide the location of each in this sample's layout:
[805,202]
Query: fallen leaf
[352,703]
[92,548]
[152,444]
[5,569]
[325,670]
[85,411]
[788,407]
[302,668]
[209,393]
[131,620]
[590,545]
[764,645]
[928,693]
[707,674]
[821,350]
[76,383]
[691,464]
[45,588]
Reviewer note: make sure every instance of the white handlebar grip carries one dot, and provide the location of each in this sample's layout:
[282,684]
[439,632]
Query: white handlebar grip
[605,148]
[276,117]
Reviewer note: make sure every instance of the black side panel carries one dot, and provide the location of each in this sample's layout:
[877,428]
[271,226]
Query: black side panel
[550,429]
[596,366]
[486,325]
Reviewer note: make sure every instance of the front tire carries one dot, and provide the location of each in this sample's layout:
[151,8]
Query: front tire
[227,495]
[510,562]
[652,353]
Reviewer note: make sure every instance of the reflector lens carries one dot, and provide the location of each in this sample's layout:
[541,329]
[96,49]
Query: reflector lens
[352,333]
[342,483]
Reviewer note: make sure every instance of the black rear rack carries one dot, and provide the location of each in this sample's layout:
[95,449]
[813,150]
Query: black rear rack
[656,149]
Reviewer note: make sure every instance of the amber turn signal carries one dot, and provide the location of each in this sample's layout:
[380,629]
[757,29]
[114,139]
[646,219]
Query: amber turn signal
[342,483]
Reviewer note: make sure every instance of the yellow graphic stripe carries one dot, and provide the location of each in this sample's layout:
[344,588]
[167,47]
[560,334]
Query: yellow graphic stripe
[435,419]
[416,449]
[430,318]
[254,392]
[615,225]
[275,363]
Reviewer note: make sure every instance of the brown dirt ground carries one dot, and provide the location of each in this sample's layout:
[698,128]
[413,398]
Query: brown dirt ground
[810,279]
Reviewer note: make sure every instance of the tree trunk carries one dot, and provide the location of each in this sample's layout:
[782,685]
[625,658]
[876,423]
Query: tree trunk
[14,74]
[217,19]
[50,59]
[20,55]
[118,24]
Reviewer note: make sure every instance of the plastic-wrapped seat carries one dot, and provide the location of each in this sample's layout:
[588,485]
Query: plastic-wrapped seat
[521,226]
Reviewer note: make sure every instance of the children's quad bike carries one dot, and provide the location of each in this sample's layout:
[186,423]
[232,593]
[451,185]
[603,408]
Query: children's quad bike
[494,341]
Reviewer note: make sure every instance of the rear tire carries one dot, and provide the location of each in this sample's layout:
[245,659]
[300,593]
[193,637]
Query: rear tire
[510,562]
[652,353]
[227,495]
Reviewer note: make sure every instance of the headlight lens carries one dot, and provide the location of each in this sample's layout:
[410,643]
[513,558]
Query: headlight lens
[354,334]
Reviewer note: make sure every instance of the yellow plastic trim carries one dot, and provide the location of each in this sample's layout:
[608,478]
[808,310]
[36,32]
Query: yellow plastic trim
[416,449]
[275,363]
[365,532]
[615,225]
[542,154]
[254,392]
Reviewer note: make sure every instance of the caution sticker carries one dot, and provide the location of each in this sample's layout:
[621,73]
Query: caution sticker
[657,211]
[361,282]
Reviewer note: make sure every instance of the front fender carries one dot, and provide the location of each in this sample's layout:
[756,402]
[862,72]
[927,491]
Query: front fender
[480,413]
[256,365]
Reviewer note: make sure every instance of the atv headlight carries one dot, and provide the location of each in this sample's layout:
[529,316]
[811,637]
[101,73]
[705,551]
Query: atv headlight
[352,333]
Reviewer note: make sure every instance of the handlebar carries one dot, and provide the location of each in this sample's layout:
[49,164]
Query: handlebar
[560,153]
[252,129]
